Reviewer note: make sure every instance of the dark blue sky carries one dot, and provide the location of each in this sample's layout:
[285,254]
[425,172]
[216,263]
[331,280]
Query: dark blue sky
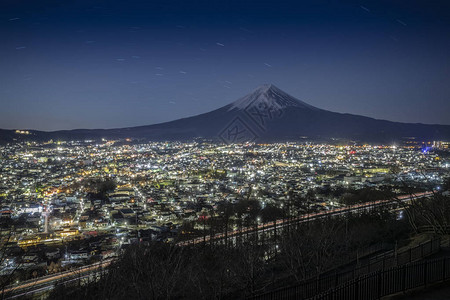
[104,64]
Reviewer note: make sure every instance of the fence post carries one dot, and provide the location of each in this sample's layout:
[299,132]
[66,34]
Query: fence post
[443,269]
[410,255]
[336,279]
[356,296]
[395,250]
[380,277]
[425,267]
[317,285]
[404,278]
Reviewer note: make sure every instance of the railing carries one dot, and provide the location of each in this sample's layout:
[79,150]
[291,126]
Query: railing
[392,259]
[315,286]
[434,229]
[383,283]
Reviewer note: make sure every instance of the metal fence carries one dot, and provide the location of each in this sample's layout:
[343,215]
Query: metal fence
[393,259]
[391,281]
[381,263]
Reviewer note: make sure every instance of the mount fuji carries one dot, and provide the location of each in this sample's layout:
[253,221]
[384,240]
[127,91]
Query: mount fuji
[266,114]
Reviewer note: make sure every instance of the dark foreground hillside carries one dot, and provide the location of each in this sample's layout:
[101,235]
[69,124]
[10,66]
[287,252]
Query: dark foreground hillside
[251,266]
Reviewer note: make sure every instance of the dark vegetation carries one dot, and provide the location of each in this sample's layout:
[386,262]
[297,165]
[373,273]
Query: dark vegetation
[98,188]
[246,266]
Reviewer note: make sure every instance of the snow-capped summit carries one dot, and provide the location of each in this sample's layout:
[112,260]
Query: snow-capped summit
[266,114]
[270,96]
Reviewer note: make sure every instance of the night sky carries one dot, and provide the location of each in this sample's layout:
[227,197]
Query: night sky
[103,64]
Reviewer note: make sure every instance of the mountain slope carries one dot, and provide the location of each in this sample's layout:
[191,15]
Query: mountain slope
[266,114]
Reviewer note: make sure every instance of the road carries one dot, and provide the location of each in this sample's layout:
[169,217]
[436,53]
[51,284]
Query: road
[47,282]
[32,286]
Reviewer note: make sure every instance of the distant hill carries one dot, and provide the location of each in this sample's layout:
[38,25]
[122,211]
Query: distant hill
[266,114]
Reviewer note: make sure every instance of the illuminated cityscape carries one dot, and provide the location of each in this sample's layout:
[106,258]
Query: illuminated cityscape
[118,193]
